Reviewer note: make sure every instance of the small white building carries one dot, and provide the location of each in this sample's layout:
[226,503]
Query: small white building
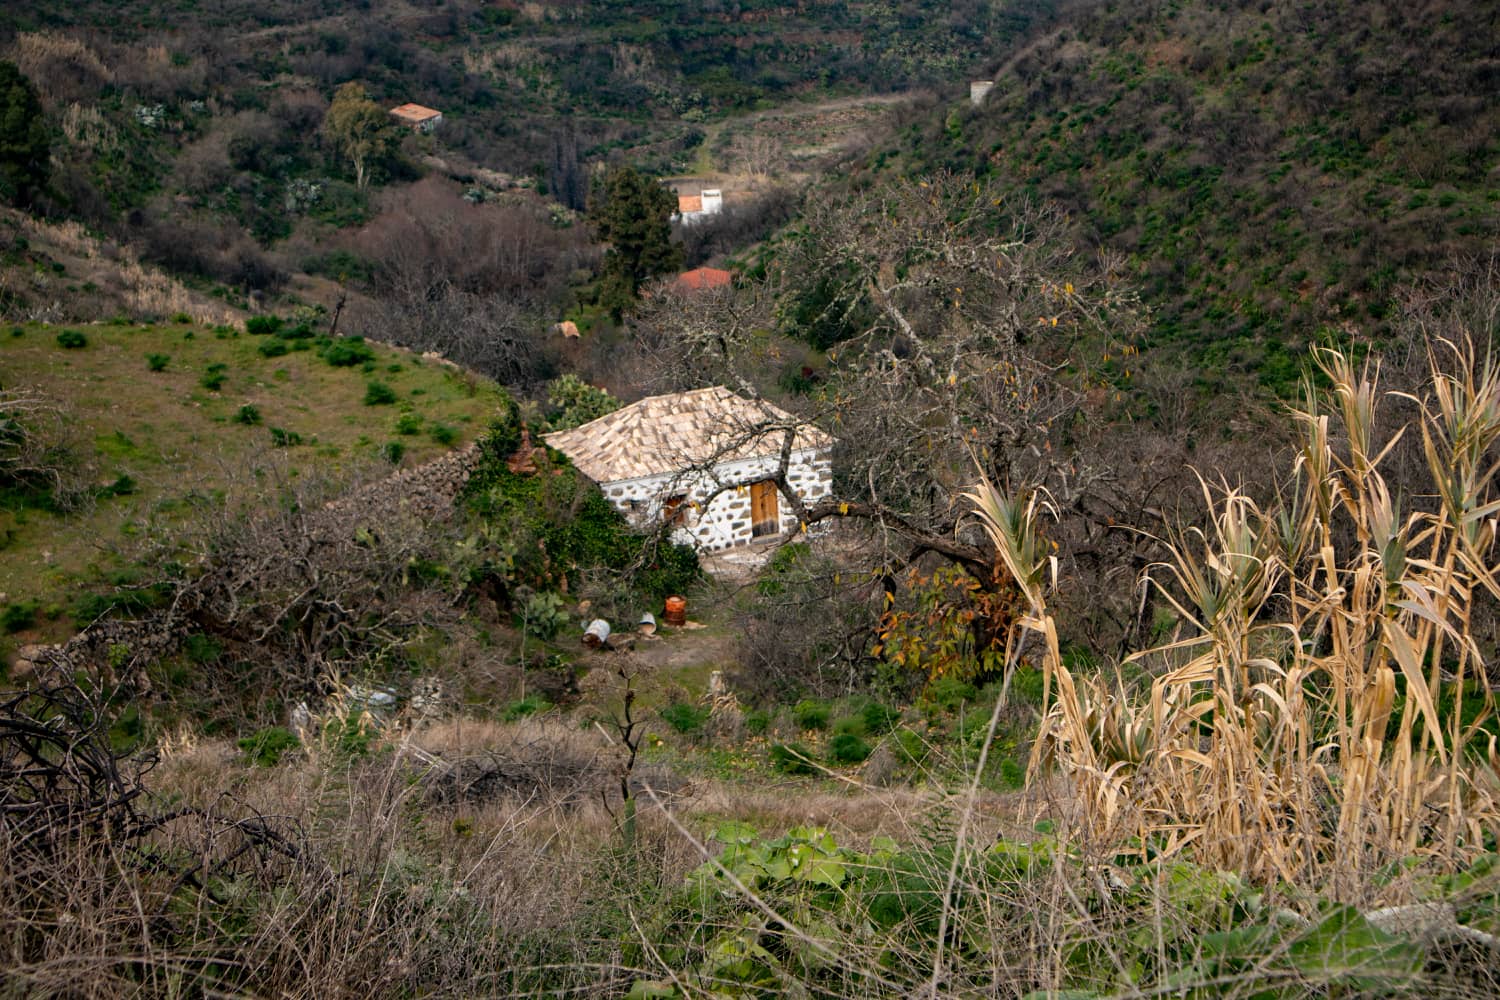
[693,208]
[702,461]
[979,90]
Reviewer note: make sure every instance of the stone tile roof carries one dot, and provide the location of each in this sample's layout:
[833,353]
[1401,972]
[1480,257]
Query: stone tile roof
[666,434]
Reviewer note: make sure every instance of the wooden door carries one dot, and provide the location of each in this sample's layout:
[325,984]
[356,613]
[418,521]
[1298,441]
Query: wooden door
[765,518]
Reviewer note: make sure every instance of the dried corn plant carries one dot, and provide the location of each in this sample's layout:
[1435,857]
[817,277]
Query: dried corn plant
[1312,727]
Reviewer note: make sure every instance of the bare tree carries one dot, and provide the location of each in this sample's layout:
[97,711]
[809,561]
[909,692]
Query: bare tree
[35,451]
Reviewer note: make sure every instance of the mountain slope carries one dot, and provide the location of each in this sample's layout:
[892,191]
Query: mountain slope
[1268,167]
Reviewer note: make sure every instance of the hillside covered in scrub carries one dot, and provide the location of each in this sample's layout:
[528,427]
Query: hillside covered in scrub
[1266,170]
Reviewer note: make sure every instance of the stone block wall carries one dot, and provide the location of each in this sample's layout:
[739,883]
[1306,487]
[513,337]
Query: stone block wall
[724,520]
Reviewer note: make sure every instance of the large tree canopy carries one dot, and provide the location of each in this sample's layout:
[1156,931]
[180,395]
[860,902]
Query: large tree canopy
[632,213]
[359,130]
[24,146]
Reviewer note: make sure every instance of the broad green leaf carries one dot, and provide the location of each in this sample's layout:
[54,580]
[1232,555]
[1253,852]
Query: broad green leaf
[1344,946]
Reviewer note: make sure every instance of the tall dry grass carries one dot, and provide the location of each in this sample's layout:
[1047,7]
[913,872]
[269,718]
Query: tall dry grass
[1311,728]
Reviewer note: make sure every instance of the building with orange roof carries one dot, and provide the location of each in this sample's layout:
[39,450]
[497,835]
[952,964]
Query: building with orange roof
[700,278]
[417,118]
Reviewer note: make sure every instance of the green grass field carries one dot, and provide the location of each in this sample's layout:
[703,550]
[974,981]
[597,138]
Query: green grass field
[185,445]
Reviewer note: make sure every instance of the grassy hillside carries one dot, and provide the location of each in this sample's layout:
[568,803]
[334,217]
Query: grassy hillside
[220,424]
[1267,168]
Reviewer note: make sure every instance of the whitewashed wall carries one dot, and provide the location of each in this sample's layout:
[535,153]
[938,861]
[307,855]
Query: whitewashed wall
[725,521]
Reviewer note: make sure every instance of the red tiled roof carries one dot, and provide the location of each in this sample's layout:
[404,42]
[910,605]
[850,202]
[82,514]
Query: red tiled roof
[703,277]
[689,203]
[415,113]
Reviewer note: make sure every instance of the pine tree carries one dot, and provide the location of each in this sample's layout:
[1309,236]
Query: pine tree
[632,213]
[25,149]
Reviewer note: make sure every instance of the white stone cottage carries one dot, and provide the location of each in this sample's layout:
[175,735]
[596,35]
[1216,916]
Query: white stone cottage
[701,460]
[693,208]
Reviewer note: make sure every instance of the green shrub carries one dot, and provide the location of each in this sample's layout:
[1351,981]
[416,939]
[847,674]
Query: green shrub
[442,434]
[17,616]
[393,452]
[346,352]
[263,324]
[284,439]
[910,747]
[879,718]
[213,377]
[202,649]
[72,339]
[349,738]
[88,608]
[157,362]
[783,561]
[274,348]
[948,693]
[529,705]
[792,758]
[848,748]
[123,486]
[852,724]
[249,415]
[181,318]
[686,718]
[757,722]
[810,714]
[265,747]
[379,394]
[409,423]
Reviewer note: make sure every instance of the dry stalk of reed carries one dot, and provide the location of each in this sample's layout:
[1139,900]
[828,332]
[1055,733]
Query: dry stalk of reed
[1312,728]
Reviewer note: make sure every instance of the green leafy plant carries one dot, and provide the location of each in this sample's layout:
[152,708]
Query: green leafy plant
[393,452]
[347,352]
[542,615]
[263,325]
[792,758]
[157,362]
[214,376]
[379,394]
[685,718]
[18,615]
[409,423]
[810,714]
[248,414]
[529,705]
[281,438]
[848,748]
[72,339]
[266,747]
